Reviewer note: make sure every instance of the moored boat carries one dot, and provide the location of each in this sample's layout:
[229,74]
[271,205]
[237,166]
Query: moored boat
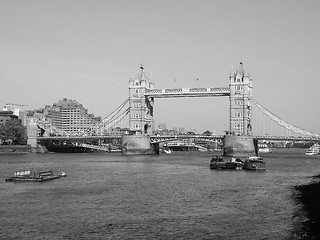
[218,163]
[263,148]
[28,176]
[167,151]
[254,163]
[313,150]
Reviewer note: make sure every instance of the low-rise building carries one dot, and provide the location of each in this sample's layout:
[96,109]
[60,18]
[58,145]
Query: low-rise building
[6,116]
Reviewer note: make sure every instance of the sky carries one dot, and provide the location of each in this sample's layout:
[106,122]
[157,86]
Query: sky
[87,50]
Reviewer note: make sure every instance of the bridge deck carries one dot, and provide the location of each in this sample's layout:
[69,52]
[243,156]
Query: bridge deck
[164,138]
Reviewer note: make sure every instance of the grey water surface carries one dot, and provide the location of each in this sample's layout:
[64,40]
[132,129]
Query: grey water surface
[177,196]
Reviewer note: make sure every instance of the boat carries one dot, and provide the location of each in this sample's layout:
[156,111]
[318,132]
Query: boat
[218,163]
[29,176]
[263,148]
[254,163]
[313,150]
[167,151]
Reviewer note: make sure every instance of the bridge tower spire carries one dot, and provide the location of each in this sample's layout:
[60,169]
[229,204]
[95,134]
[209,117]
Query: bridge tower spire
[240,102]
[141,106]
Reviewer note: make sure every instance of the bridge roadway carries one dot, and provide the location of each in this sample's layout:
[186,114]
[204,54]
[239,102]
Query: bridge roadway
[165,138]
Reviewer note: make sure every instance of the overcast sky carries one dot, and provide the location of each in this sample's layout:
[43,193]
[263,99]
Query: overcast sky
[87,51]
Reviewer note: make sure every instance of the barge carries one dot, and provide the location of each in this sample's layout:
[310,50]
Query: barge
[28,176]
[218,163]
[255,163]
[250,163]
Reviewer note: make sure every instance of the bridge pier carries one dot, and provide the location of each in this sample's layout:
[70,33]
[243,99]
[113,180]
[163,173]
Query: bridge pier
[238,146]
[138,145]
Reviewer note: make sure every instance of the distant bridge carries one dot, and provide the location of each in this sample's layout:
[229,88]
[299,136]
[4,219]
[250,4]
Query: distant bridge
[140,107]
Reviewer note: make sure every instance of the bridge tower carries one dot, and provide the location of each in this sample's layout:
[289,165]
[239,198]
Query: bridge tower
[239,143]
[240,102]
[141,106]
[140,117]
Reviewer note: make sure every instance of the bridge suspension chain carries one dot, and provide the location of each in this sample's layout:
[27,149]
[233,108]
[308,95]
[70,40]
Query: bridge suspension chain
[44,124]
[114,113]
[118,119]
[101,129]
[284,123]
[111,120]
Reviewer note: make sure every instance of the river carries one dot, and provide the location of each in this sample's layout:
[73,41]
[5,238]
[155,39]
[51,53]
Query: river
[177,196]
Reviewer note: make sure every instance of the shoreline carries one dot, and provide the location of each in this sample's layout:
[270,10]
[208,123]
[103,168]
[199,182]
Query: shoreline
[308,201]
[15,149]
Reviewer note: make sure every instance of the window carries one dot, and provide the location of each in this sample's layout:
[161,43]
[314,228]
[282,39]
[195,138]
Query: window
[136,115]
[137,104]
[238,102]
[237,114]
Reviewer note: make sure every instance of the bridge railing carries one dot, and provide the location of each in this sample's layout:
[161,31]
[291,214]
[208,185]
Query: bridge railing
[286,138]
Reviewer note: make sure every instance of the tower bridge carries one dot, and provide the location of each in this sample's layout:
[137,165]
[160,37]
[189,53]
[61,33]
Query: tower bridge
[139,108]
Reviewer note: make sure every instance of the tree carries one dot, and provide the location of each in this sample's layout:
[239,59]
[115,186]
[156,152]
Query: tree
[13,131]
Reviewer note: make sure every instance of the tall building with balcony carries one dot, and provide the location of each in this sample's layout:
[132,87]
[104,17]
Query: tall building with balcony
[70,116]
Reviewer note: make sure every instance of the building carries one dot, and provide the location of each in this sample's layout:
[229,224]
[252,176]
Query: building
[70,116]
[6,116]
[162,126]
[181,130]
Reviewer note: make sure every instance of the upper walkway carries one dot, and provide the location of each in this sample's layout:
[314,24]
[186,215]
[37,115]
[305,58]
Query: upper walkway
[188,92]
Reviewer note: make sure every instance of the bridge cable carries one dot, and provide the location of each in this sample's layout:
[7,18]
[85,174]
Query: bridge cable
[111,117]
[283,123]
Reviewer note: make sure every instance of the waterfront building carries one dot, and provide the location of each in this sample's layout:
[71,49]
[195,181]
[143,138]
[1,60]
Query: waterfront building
[6,116]
[16,110]
[70,116]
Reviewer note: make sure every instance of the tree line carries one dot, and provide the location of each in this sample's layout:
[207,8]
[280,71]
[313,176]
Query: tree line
[13,133]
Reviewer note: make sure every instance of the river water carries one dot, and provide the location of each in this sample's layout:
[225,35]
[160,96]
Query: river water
[177,196]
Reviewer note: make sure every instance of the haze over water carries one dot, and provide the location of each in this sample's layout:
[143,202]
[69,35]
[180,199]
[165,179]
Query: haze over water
[109,196]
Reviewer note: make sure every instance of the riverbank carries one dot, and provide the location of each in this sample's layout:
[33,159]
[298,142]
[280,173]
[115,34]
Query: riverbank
[15,148]
[308,196]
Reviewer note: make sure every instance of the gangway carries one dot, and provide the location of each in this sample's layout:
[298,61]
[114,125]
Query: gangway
[103,148]
[95,147]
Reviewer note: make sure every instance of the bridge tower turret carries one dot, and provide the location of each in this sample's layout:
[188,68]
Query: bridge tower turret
[141,106]
[240,102]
